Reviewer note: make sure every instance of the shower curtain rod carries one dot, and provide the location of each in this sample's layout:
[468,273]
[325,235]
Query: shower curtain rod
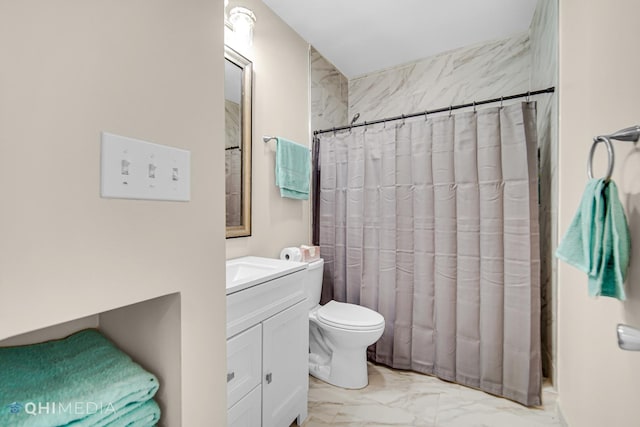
[440,110]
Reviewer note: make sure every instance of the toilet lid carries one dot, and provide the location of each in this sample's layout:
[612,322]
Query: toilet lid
[349,316]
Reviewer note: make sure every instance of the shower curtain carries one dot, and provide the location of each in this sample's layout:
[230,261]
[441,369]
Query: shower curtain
[434,224]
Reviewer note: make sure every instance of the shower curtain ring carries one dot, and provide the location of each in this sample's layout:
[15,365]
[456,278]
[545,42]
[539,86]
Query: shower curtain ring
[528,95]
[402,119]
[501,99]
[474,106]
[334,131]
[425,115]
[450,109]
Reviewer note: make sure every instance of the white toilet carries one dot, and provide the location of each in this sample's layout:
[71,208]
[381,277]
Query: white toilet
[339,335]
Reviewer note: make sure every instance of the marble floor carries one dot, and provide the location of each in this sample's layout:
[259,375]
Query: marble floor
[401,398]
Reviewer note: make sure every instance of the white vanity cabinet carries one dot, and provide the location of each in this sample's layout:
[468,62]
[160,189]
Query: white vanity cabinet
[267,353]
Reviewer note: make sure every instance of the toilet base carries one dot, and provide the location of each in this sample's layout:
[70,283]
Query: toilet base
[345,369]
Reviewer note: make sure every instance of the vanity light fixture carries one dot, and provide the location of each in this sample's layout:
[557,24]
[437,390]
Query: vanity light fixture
[241,21]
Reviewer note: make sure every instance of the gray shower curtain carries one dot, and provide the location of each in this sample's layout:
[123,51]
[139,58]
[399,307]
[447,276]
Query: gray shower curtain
[434,224]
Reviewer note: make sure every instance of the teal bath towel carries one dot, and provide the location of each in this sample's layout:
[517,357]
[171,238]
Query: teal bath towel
[137,414]
[293,169]
[82,380]
[597,241]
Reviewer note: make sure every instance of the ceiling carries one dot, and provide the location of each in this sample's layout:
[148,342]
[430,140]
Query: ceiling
[362,36]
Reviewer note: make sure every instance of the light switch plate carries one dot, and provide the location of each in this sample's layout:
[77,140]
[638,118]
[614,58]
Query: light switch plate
[136,169]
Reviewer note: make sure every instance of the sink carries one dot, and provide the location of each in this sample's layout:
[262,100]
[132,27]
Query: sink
[245,272]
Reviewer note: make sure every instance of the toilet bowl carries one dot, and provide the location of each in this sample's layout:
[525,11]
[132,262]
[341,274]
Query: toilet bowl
[339,334]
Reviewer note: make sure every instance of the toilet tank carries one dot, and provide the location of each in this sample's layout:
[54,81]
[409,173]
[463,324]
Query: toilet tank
[314,282]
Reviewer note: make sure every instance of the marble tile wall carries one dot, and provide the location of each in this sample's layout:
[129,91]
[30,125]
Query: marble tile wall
[231,123]
[544,71]
[477,72]
[329,93]
[233,187]
[233,163]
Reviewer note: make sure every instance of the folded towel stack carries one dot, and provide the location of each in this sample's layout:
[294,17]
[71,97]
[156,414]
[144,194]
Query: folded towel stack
[597,241]
[82,380]
[293,169]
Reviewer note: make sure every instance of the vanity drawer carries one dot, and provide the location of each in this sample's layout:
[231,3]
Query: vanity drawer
[253,305]
[247,412]
[244,363]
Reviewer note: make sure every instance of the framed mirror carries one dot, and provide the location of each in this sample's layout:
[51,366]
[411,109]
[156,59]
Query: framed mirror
[238,73]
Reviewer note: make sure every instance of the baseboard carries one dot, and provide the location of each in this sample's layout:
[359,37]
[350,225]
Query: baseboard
[563,420]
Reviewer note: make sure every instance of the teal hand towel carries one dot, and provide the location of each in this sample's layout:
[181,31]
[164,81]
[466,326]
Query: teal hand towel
[293,169]
[82,380]
[597,241]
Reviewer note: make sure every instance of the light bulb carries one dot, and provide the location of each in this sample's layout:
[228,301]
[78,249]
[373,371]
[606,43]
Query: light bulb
[242,20]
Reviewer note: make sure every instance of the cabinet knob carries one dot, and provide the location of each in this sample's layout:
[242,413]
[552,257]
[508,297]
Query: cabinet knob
[268,378]
[230,376]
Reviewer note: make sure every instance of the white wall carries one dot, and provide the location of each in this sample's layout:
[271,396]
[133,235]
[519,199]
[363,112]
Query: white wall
[150,333]
[598,384]
[53,332]
[148,69]
[280,108]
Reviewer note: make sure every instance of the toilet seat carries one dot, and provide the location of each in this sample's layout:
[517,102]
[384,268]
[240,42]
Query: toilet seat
[349,316]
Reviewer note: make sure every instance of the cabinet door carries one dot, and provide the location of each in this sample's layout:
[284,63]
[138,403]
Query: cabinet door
[246,413]
[285,366]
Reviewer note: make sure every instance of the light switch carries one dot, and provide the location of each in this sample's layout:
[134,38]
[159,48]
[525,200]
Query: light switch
[136,169]
[124,167]
[152,170]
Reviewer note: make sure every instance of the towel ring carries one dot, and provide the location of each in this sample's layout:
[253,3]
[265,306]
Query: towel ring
[607,143]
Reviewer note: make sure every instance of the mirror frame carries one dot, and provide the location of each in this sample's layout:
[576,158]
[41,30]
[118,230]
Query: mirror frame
[244,229]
